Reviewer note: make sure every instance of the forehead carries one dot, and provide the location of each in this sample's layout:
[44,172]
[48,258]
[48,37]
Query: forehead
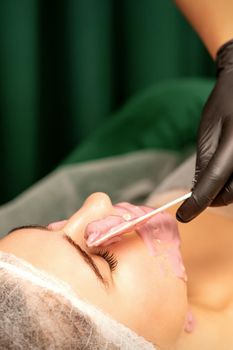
[40,247]
[29,241]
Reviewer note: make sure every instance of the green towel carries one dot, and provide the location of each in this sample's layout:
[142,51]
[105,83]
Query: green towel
[164,117]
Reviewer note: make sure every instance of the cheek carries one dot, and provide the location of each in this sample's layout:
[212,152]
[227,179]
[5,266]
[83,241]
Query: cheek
[141,284]
[151,295]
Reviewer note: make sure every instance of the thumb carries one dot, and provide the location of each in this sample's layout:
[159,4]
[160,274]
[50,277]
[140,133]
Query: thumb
[188,210]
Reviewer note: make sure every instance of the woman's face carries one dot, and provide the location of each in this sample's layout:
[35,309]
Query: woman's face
[141,291]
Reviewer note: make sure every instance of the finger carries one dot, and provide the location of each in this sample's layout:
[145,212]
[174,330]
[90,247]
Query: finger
[188,210]
[225,196]
[208,140]
[211,182]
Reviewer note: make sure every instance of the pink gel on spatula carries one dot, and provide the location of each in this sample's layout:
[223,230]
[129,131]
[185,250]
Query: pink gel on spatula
[116,227]
[159,231]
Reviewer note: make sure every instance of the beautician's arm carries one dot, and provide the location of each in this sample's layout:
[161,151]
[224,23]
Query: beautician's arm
[213,180]
[212,20]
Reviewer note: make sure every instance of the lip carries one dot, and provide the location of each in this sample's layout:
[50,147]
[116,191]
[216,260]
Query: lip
[98,229]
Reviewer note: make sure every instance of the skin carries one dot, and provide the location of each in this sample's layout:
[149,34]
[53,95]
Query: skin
[142,292]
[137,294]
[206,248]
[211,19]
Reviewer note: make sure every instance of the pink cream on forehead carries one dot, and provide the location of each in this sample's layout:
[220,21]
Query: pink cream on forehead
[161,231]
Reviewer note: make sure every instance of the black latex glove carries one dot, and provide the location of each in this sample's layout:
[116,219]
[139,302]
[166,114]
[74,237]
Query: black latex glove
[213,180]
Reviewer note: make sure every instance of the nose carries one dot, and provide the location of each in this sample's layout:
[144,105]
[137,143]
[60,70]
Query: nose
[97,206]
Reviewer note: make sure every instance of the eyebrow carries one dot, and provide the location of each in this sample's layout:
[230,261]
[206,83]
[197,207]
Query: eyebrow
[88,259]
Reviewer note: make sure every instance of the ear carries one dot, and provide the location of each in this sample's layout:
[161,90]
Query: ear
[96,207]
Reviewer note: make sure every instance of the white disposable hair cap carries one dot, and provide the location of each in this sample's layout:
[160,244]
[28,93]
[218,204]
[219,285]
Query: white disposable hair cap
[39,290]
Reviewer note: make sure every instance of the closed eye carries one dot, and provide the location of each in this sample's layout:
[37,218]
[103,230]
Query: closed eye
[110,258]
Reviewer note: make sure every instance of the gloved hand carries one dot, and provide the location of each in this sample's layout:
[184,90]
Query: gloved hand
[213,180]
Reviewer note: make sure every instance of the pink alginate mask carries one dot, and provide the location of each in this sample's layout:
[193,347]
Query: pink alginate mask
[160,231]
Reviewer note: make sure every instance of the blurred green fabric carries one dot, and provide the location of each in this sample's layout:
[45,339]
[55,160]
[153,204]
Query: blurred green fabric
[65,66]
[164,117]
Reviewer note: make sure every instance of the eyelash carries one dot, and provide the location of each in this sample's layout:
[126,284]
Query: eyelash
[109,257]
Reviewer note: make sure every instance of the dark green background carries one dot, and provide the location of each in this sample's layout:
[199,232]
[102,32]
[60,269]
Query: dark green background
[65,66]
